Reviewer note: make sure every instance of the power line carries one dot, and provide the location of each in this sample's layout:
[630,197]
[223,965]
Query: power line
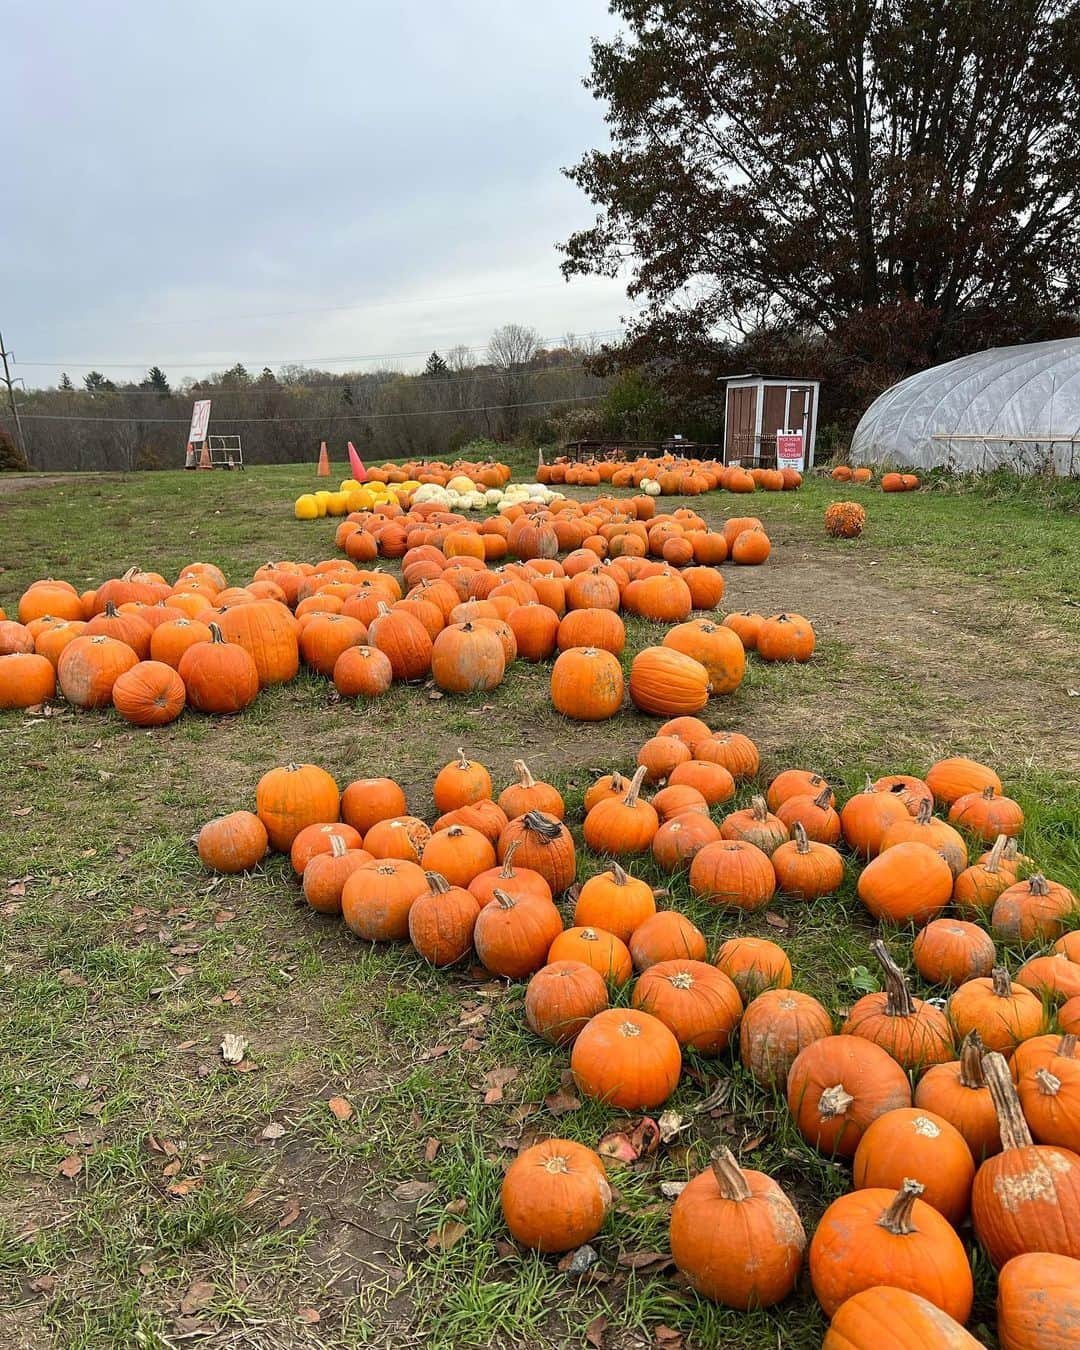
[143,364]
[348,417]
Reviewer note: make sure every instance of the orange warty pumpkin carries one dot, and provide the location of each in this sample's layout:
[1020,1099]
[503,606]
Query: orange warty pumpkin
[1038,1302]
[626,1058]
[736,1236]
[837,1085]
[775,1027]
[871,1237]
[555,1196]
[1027,1197]
[562,997]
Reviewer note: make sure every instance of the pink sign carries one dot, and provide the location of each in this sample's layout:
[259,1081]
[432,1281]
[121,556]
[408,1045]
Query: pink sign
[789,450]
[200,421]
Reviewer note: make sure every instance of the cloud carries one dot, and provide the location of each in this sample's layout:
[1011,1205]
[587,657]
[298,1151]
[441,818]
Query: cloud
[197,184]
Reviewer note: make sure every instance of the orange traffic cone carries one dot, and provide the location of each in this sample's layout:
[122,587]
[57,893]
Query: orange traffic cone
[204,458]
[324,462]
[189,458]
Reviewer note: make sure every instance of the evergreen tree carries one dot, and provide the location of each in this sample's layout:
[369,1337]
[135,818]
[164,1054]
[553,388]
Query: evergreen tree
[436,366]
[65,383]
[156,380]
[96,383]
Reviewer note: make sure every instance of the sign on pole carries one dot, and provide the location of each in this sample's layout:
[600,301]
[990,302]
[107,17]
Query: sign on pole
[789,450]
[200,421]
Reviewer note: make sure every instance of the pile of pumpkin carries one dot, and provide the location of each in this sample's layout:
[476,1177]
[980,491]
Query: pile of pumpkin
[150,648]
[486,878]
[668,476]
[459,492]
[890,482]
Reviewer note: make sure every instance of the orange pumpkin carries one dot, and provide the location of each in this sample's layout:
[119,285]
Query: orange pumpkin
[698,1003]
[753,965]
[915,1034]
[89,667]
[805,868]
[950,951]
[666,935]
[1038,1302]
[366,801]
[837,1085]
[528,794]
[615,902]
[150,694]
[914,1142]
[555,1196]
[733,872]
[886,1318]
[908,883]
[26,679]
[545,846]
[441,921]
[513,935]
[775,1027]
[562,997]
[736,1236]
[289,798]
[377,897]
[949,779]
[233,843]
[957,1091]
[1003,1013]
[626,1058]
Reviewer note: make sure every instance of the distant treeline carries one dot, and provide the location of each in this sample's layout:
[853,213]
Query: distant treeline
[518,391]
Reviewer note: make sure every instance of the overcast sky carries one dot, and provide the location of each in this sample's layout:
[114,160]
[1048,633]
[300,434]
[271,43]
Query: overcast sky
[200,183]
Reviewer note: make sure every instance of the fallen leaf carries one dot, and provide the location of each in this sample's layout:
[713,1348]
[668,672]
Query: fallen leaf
[340,1107]
[445,1238]
[291,1214]
[16,888]
[274,1130]
[435,1052]
[251,1197]
[413,1190]
[645,1260]
[431,1148]
[233,1048]
[222,916]
[457,1207]
[198,1296]
[671,1125]
[668,1336]
[308,1315]
[146,1268]
[505,1250]
[44,1284]
[594,1332]
[184,1187]
[71,1166]
[471,1043]
[171,1169]
[495,1080]
[562,1101]
[775,920]
[81,1081]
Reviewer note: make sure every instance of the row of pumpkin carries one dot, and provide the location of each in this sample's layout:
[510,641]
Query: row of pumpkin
[668,476]
[890,482]
[151,648]
[919,1162]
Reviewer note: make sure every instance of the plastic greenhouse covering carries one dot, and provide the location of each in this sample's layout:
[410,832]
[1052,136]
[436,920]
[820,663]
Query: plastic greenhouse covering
[1012,407]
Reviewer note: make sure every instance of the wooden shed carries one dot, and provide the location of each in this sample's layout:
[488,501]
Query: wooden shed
[757,408]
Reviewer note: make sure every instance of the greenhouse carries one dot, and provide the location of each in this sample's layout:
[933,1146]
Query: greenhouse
[1011,407]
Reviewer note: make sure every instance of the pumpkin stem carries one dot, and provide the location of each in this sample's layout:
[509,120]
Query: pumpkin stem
[525,778]
[1067,1045]
[508,858]
[216,636]
[971,1055]
[503,900]
[620,877]
[993,863]
[922,815]
[730,1181]
[834,1101]
[129,574]
[556,1163]
[898,1000]
[547,827]
[1038,885]
[462,759]
[1012,1126]
[823,800]
[1011,850]
[631,798]
[897,1218]
[988,793]
[759,808]
[802,839]
[111,612]
[869,785]
[337,846]
[1049,1083]
[1002,985]
[437,883]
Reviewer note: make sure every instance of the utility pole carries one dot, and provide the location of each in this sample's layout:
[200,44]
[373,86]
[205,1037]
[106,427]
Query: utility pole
[4,354]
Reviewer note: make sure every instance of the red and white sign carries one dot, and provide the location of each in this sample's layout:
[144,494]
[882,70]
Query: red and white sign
[200,421]
[789,450]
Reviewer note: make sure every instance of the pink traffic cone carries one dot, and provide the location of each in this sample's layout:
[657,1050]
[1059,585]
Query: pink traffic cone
[359,473]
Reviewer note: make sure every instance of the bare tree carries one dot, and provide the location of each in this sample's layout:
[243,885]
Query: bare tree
[459,359]
[512,346]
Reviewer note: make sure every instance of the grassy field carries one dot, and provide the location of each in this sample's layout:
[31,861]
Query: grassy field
[152,1195]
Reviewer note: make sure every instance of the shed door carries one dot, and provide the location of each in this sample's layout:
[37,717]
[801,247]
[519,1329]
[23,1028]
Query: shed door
[739,427]
[800,413]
